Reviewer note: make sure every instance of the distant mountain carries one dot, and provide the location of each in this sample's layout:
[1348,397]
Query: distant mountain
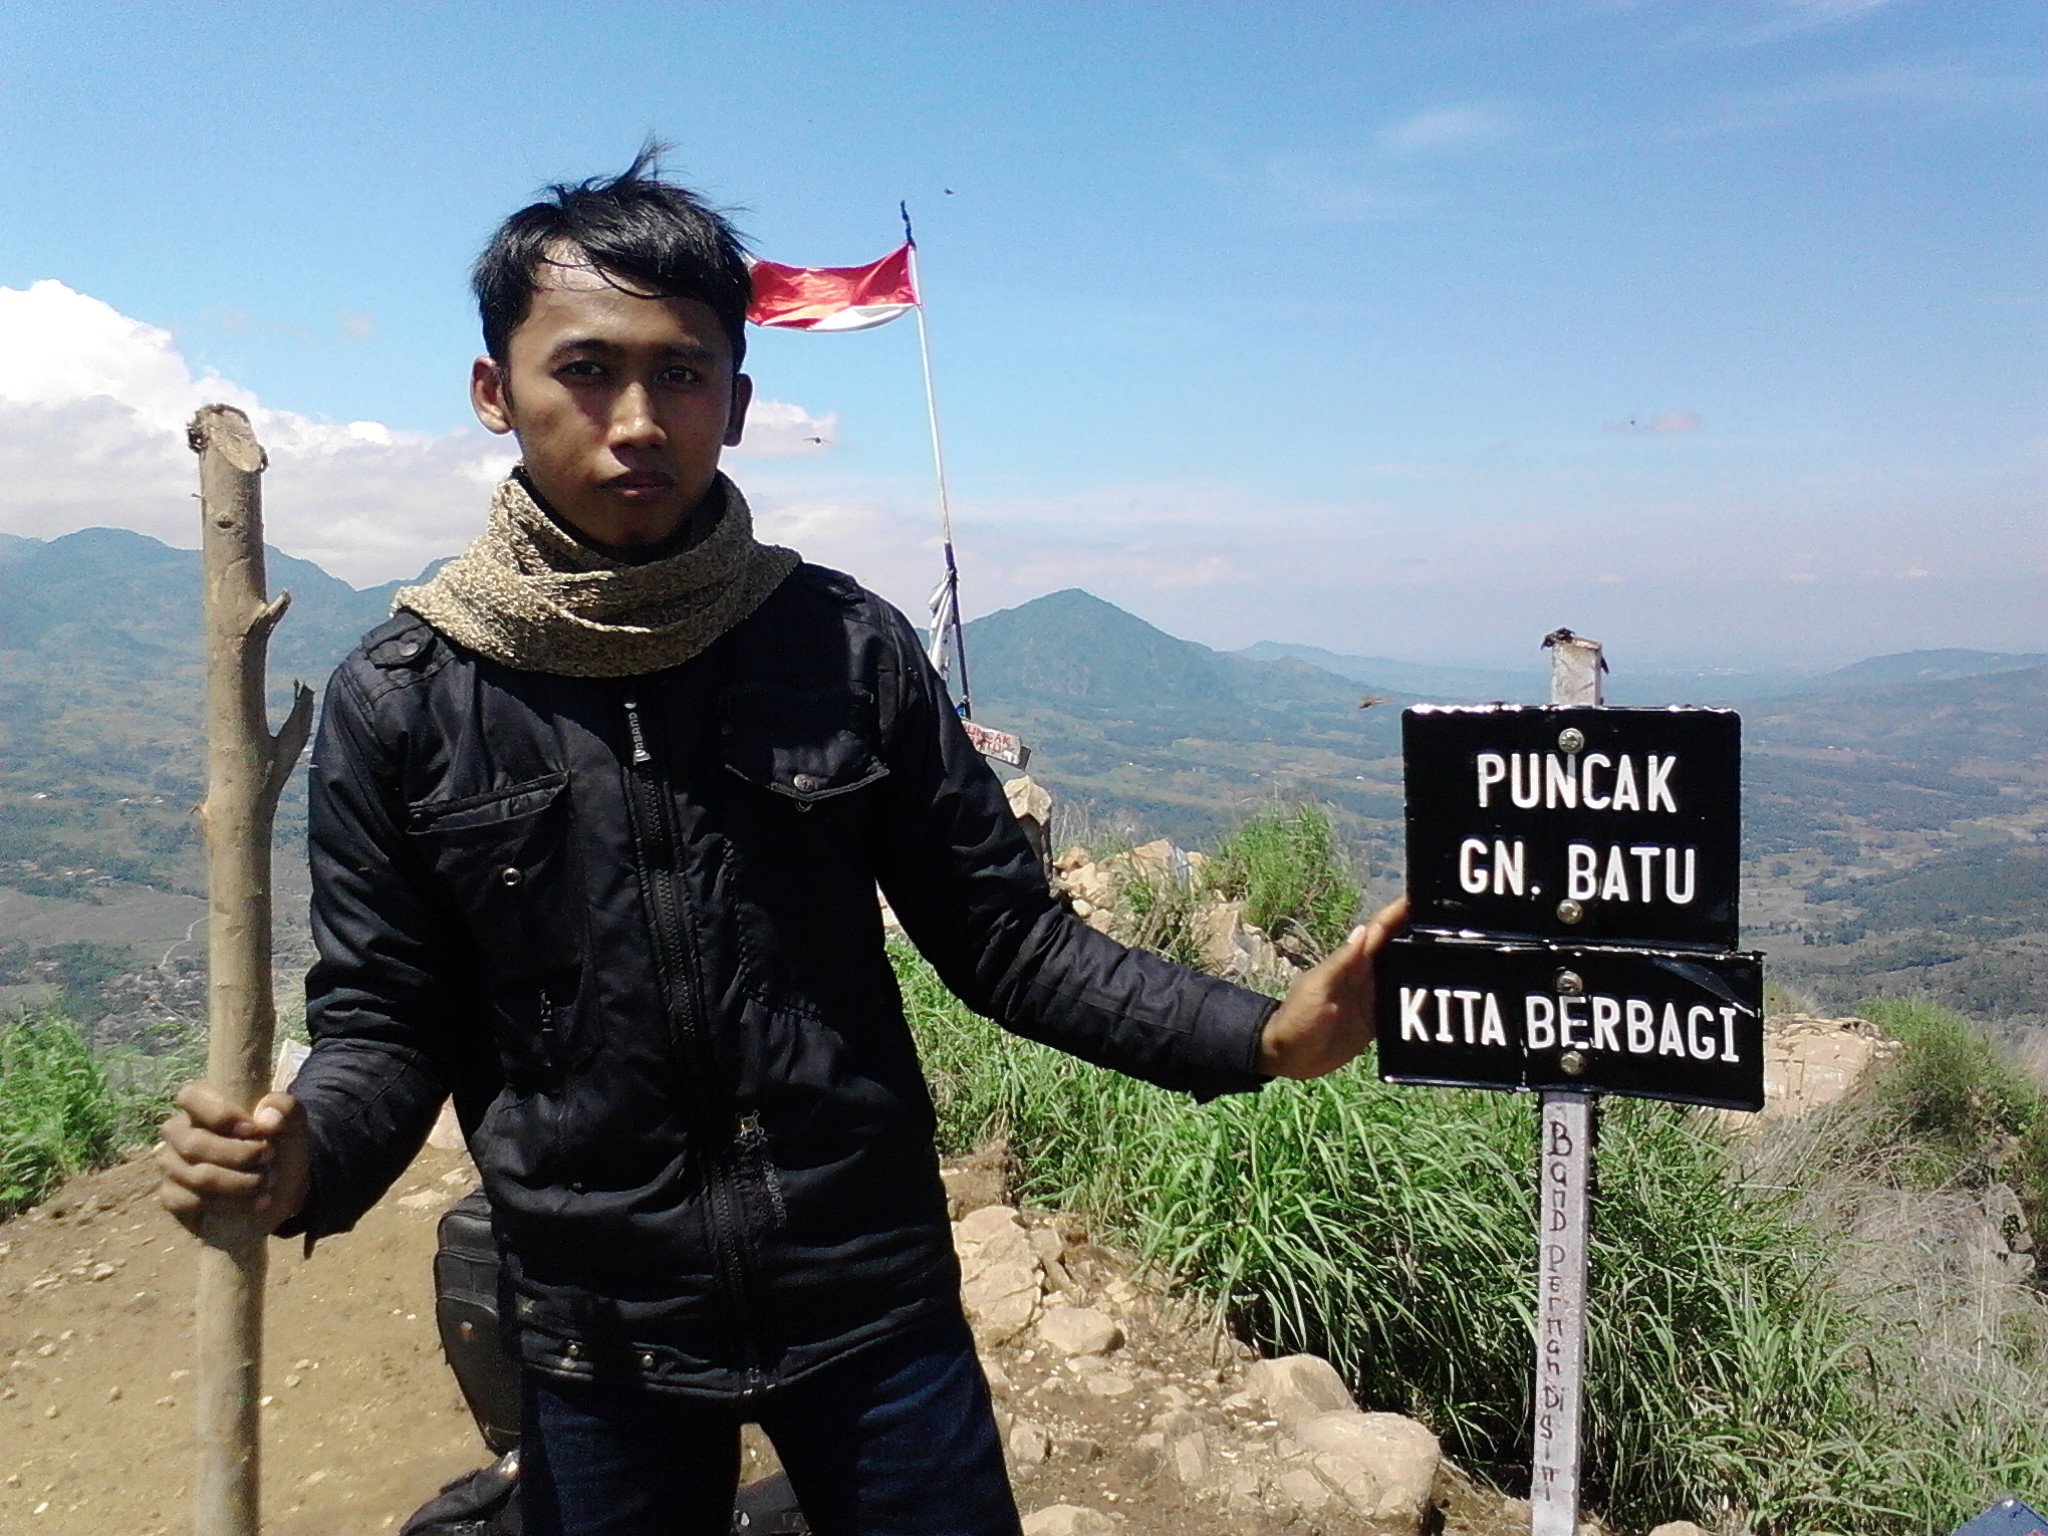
[1421,680]
[110,596]
[1150,732]
[1924,667]
[1901,783]
[1075,649]
[1531,684]
[1467,685]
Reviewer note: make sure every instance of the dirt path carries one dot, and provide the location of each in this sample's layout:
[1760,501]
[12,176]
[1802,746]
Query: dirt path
[362,1421]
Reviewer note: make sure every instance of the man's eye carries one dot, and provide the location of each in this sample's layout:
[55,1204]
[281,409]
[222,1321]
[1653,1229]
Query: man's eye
[680,375]
[582,368]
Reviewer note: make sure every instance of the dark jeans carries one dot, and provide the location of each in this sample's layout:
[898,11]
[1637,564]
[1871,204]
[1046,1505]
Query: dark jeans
[899,1440]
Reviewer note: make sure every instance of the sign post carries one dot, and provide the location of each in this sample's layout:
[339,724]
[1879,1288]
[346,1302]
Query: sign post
[1565,1184]
[1573,875]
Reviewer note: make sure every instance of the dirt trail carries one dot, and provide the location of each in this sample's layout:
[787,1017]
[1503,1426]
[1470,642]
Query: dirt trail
[362,1421]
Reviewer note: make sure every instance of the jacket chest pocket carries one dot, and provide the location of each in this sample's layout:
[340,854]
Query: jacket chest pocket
[503,858]
[806,747]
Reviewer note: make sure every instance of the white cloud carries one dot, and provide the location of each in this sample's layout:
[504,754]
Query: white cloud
[1310,187]
[776,429]
[1789,18]
[93,407]
[1928,89]
[1451,127]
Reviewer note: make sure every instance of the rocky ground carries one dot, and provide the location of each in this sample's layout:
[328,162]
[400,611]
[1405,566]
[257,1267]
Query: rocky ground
[1125,1410]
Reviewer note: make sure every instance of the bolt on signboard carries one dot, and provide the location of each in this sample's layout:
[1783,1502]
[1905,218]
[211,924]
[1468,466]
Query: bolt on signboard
[1572,878]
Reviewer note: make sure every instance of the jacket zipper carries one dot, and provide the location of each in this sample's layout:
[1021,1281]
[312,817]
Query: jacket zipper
[654,833]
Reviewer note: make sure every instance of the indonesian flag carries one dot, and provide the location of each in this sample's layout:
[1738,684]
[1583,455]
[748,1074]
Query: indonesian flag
[833,298]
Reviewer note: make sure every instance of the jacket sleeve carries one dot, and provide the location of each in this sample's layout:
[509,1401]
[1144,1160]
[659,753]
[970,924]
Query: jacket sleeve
[973,896]
[378,1001]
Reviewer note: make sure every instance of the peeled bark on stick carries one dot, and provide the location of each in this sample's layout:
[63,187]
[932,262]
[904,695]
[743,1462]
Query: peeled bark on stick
[246,769]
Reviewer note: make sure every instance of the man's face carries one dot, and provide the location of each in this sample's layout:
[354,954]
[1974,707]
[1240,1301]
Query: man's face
[620,404]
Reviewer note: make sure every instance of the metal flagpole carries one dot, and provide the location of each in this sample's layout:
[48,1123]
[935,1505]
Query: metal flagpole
[946,601]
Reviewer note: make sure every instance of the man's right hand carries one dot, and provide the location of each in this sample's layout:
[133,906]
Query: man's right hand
[217,1159]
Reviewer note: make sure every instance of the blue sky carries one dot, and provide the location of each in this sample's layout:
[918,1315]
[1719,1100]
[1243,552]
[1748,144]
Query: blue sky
[1712,330]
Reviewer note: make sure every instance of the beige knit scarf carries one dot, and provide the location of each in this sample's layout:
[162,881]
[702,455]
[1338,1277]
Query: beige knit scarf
[529,594]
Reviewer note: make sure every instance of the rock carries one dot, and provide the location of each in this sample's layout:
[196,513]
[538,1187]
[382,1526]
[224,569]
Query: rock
[1079,1331]
[1298,1387]
[1069,1520]
[1110,1384]
[1219,929]
[1160,861]
[1810,1063]
[1072,857]
[1677,1528]
[423,1200]
[1092,883]
[979,1226]
[1029,1445]
[1001,1301]
[1188,1455]
[1031,803]
[1383,1466]
[1029,799]
[1045,1242]
[1006,1250]
[1302,1490]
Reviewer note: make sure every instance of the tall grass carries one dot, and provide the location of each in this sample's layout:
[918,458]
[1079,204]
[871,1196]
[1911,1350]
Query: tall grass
[1393,1230]
[64,1109]
[1285,866]
[1955,1108]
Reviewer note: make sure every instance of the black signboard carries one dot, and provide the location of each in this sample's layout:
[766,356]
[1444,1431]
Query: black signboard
[1608,825]
[1684,1025]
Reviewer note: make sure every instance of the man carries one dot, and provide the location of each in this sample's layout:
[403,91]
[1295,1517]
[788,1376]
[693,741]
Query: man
[597,820]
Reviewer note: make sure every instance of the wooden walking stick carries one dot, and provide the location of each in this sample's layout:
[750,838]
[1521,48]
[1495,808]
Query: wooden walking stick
[246,769]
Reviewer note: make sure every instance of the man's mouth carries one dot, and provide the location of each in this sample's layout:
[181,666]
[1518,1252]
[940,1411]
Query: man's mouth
[641,484]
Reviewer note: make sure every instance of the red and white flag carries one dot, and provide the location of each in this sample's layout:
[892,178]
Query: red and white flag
[833,298]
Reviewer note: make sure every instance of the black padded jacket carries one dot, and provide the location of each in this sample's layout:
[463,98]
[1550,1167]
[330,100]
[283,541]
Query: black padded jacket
[631,926]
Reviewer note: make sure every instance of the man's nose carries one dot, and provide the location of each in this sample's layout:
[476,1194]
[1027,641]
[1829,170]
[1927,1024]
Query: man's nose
[633,420]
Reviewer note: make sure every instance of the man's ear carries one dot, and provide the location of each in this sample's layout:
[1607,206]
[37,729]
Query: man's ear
[736,419]
[489,395]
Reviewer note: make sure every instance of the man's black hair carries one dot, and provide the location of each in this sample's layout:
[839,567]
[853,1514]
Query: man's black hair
[647,235]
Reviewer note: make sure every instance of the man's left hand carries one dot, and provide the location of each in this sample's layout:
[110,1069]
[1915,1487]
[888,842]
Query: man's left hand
[1327,1016]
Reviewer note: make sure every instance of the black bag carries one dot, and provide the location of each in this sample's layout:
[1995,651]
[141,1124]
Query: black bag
[480,1503]
[486,1502]
[466,1313]
[768,1508]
